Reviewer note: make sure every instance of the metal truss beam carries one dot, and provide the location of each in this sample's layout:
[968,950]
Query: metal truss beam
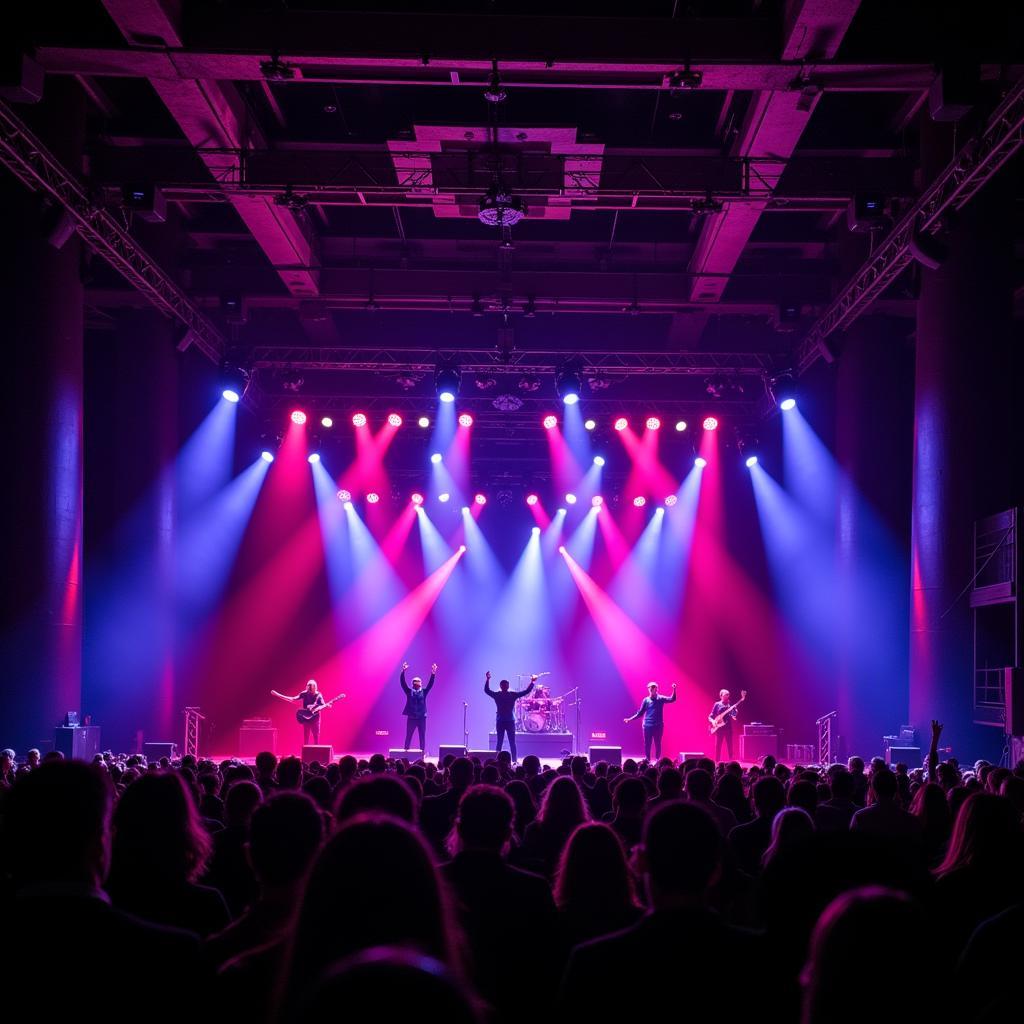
[972,167]
[40,171]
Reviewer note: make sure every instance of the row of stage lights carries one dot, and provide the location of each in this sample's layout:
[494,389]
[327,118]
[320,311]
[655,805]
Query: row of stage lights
[418,500]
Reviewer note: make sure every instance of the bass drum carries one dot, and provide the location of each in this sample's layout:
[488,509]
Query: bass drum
[535,721]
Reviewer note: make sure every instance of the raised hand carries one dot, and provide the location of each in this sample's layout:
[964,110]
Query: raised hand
[487,675]
[433,669]
[405,666]
[534,678]
[936,728]
[675,686]
[626,720]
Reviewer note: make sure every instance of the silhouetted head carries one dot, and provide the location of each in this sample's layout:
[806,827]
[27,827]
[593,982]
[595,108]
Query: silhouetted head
[284,836]
[986,835]
[593,872]
[311,686]
[682,852]
[266,762]
[503,685]
[769,796]
[723,696]
[461,773]
[699,785]
[652,688]
[417,682]
[484,820]
[382,794]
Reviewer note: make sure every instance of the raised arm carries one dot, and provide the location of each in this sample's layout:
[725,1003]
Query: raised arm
[487,685]
[672,699]
[283,696]
[430,681]
[401,678]
[523,693]
[933,752]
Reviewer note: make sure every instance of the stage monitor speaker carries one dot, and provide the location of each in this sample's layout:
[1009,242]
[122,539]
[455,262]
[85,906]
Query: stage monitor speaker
[758,746]
[255,741]
[456,750]
[154,751]
[910,756]
[690,755]
[412,754]
[483,755]
[610,755]
[1013,690]
[81,743]
[320,752]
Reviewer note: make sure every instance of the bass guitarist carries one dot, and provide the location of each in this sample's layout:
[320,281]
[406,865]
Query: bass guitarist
[313,704]
[728,713]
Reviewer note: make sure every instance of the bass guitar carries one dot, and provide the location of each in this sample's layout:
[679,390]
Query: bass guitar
[306,715]
[720,719]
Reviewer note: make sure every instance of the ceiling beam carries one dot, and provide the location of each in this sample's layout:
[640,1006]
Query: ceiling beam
[771,129]
[213,117]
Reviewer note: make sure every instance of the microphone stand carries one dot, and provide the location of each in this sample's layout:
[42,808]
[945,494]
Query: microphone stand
[465,726]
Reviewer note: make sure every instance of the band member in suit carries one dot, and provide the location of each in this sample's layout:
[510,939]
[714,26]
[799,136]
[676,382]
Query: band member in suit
[505,717]
[416,705]
[311,698]
[652,707]
[724,735]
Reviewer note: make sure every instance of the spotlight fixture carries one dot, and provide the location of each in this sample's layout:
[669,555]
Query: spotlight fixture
[680,426]
[447,379]
[532,499]
[653,423]
[568,385]
[327,422]
[298,417]
[436,458]
[267,456]
[708,205]
[495,91]
[561,549]
[685,78]
[535,531]
[465,510]
[313,458]
[528,384]
[500,208]
[700,462]
[424,422]
[639,501]
[550,422]
[589,425]
[444,497]
[597,501]
[462,549]
[751,461]
[710,423]
[231,395]
[344,495]
[359,419]
[598,460]
[570,499]
[394,420]
[481,499]
[292,380]
[783,389]
[233,382]
[670,501]
[373,497]
[621,423]
[465,420]
[417,498]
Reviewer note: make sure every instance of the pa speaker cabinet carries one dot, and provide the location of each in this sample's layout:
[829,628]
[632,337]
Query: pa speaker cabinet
[320,752]
[397,753]
[81,743]
[910,756]
[154,751]
[483,755]
[255,741]
[610,755]
[454,750]
[759,746]
[1013,690]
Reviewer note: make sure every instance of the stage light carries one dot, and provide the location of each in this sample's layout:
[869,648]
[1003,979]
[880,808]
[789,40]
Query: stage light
[435,458]
[568,386]
[231,395]
[313,458]
[447,378]
[344,495]
[298,417]
[653,423]
[462,549]
[783,389]
[598,460]
[359,419]
[444,497]
[561,512]
[680,426]
[233,382]
[465,510]
[465,420]
[550,422]
[597,501]
[751,462]
[787,403]
[532,499]
[700,462]
[639,501]
[570,499]
[481,499]
[710,423]
[621,423]
[535,531]
[417,498]
[590,425]
[373,497]
[267,456]
[327,422]
[424,422]
[394,420]
[671,500]
[561,549]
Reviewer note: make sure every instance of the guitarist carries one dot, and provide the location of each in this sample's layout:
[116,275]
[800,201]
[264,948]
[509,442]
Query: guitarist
[312,700]
[724,734]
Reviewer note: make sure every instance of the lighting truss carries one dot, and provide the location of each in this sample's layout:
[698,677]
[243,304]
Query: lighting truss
[972,167]
[39,170]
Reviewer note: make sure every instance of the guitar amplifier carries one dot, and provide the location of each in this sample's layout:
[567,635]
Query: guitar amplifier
[320,752]
[759,729]
[81,743]
[759,745]
[253,741]
[154,751]
[910,756]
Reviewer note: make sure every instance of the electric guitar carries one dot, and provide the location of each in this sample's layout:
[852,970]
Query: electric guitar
[306,715]
[719,719]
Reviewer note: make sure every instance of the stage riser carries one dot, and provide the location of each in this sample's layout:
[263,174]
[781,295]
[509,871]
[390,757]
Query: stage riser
[543,744]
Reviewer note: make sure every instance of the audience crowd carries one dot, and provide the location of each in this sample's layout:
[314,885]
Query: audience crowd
[493,892]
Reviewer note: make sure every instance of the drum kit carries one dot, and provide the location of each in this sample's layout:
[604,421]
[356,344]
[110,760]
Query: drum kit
[540,712]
